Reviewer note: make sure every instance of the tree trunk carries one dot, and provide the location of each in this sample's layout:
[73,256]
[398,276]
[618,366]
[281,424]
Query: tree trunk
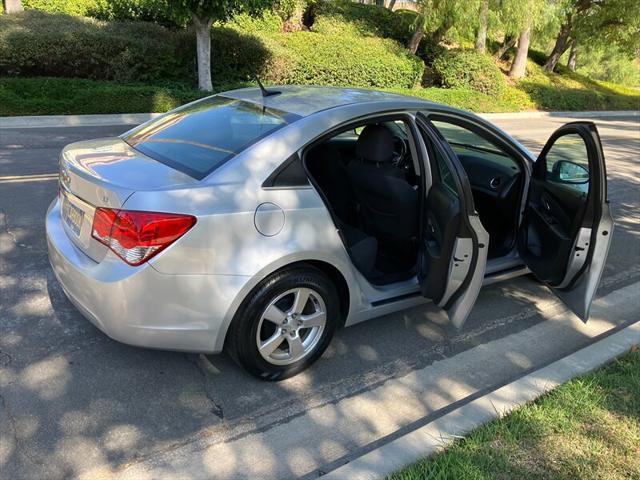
[573,56]
[442,30]
[416,38]
[295,21]
[519,65]
[11,6]
[392,3]
[379,3]
[508,44]
[203,49]
[481,37]
[562,43]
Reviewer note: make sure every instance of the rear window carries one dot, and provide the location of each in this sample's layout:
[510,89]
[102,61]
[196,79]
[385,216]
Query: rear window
[199,137]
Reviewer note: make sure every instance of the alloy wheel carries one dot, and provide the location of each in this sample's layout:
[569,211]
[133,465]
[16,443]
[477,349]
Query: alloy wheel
[291,326]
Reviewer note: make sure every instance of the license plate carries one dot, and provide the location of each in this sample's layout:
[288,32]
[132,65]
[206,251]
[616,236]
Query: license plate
[72,216]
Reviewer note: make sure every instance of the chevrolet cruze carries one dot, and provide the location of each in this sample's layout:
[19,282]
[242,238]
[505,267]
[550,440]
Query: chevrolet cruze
[260,221]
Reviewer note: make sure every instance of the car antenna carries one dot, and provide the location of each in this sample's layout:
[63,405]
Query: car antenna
[264,91]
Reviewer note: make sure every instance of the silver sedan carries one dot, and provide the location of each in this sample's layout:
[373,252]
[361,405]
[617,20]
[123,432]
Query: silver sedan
[260,221]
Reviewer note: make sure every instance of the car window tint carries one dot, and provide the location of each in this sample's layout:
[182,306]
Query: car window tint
[568,148]
[445,173]
[567,162]
[466,142]
[201,136]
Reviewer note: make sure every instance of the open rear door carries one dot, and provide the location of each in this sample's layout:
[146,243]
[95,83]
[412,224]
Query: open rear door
[453,243]
[566,229]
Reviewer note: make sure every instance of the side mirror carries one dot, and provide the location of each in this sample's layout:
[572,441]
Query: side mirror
[570,172]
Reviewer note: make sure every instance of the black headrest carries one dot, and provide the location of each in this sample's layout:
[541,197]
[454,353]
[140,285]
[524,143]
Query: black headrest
[375,144]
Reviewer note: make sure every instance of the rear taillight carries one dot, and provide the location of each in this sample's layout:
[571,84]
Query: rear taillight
[137,236]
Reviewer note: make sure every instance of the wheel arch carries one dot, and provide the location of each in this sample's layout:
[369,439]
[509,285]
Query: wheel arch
[335,275]
[338,280]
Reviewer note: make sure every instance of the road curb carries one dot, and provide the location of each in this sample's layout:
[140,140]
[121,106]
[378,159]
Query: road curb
[436,435]
[538,114]
[48,121]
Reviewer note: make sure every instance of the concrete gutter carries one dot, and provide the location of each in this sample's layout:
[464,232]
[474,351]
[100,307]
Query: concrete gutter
[436,435]
[48,121]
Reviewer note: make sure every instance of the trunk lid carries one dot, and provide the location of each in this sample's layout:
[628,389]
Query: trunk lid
[104,173]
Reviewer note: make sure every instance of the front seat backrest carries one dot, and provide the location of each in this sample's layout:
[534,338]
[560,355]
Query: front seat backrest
[375,144]
[388,203]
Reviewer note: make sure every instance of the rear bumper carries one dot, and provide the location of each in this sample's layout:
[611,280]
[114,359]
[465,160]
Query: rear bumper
[138,305]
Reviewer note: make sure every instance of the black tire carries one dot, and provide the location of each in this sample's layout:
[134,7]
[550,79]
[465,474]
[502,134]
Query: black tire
[241,337]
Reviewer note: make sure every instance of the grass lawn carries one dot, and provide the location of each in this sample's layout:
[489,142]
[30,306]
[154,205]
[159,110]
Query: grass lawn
[588,428]
[58,96]
[538,91]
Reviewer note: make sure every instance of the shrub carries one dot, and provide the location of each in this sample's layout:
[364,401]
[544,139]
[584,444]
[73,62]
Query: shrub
[291,12]
[312,58]
[35,43]
[158,11]
[428,50]
[267,22]
[469,69]
[347,17]
[309,57]
[238,56]
[70,7]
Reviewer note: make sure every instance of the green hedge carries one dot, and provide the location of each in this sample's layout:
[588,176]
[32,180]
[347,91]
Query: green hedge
[347,17]
[309,57]
[36,43]
[158,11]
[70,7]
[469,69]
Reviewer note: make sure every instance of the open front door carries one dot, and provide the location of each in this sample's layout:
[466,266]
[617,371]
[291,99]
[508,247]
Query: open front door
[453,243]
[566,229]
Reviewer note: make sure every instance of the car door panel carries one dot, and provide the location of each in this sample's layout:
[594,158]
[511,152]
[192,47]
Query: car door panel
[459,306]
[578,292]
[439,237]
[453,241]
[565,233]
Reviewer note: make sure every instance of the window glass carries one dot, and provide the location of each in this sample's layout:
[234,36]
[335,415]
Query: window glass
[567,162]
[396,126]
[444,172]
[466,142]
[401,126]
[201,136]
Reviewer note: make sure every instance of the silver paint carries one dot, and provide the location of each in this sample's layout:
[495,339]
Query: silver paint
[186,297]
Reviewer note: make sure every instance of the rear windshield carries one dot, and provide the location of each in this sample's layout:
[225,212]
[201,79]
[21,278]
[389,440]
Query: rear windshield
[199,137]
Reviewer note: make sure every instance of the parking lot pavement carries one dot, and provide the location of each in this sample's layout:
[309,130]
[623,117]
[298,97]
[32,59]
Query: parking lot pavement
[72,400]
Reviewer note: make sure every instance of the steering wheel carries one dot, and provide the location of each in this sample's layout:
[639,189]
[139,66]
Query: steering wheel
[399,152]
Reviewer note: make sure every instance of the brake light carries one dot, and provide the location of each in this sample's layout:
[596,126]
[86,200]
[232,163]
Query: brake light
[137,236]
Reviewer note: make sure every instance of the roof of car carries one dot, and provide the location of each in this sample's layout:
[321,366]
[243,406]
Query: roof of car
[306,100]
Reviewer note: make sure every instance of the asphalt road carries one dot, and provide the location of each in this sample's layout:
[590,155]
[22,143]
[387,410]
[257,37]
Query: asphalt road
[71,398]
